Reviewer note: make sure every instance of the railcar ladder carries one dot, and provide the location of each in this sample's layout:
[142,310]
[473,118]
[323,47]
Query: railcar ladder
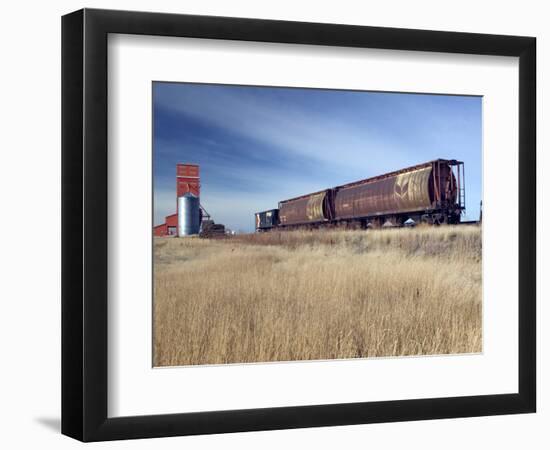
[461,186]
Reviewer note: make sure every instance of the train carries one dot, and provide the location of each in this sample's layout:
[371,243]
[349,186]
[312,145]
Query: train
[431,192]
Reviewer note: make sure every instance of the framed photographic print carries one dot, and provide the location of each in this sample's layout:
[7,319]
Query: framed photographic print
[267,224]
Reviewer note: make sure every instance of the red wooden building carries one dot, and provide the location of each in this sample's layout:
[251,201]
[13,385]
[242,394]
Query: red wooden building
[187,180]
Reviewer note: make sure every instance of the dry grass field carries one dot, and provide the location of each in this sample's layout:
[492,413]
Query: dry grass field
[317,295]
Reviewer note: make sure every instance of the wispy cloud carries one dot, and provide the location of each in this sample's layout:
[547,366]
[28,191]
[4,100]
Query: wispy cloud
[345,140]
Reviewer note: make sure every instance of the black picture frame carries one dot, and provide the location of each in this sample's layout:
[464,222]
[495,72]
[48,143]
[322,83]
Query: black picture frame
[84,224]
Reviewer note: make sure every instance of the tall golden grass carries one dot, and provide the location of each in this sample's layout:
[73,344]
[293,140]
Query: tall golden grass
[309,295]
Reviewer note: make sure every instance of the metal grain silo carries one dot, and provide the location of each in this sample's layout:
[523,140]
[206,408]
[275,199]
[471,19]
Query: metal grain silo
[188,215]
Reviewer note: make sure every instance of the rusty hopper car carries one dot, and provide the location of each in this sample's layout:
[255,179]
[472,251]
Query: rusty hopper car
[432,192]
[308,209]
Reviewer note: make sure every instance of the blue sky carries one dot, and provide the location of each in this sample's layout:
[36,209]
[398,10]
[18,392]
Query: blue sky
[258,145]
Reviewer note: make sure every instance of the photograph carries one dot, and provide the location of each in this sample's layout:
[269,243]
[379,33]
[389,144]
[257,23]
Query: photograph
[323,221]
[299,224]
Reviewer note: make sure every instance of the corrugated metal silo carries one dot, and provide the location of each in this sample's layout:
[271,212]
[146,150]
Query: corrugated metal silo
[188,215]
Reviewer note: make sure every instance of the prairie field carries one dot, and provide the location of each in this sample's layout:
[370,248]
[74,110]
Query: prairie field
[307,295]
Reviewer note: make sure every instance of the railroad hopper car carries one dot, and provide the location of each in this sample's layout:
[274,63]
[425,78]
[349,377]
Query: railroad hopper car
[308,209]
[432,192]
